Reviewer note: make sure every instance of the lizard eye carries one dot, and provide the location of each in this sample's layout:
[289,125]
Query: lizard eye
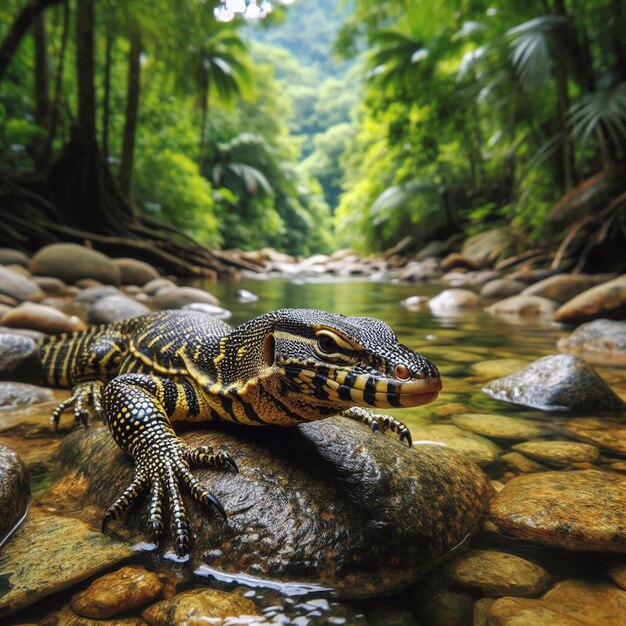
[326,344]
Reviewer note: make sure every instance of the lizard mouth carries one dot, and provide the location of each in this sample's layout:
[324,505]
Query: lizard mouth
[403,394]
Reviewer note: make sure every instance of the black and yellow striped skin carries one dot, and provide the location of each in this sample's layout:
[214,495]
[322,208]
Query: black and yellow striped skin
[282,368]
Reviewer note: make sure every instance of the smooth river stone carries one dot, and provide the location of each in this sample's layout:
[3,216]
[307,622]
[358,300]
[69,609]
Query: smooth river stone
[576,510]
[14,491]
[474,447]
[520,463]
[501,426]
[13,395]
[556,383]
[48,553]
[497,573]
[609,434]
[606,300]
[600,341]
[327,502]
[560,453]
[569,603]
[498,367]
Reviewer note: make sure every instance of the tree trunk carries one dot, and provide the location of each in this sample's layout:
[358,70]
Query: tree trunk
[130,125]
[107,93]
[568,166]
[619,49]
[42,87]
[19,28]
[205,80]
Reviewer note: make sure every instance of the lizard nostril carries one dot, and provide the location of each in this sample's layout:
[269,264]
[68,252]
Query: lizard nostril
[401,371]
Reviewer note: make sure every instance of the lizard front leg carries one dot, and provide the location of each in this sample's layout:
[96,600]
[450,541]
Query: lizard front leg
[135,410]
[379,422]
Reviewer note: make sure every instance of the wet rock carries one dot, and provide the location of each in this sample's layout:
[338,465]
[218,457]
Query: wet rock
[52,286]
[559,453]
[243,295]
[564,287]
[43,318]
[607,300]
[617,573]
[607,433]
[556,383]
[18,287]
[523,306]
[569,603]
[14,491]
[71,262]
[198,606]
[156,285]
[19,358]
[456,278]
[115,309]
[4,308]
[125,589]
[481,611]
[134,272]
[457,260]
[311,501]
[501,288]
[10,256]
[482,277]
[438,606]
[522,464]
[501,426]
[600,341]
[474,447]
[67,617]
[49,553]
[577,510]
[414,303]
[498,367]
[420,270]
[497,573]
[90,295]
[454,300]
[210,309]
[178,297]
[13,394]
[485,248]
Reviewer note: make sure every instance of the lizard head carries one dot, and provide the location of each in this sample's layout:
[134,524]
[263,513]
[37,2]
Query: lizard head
[331,361]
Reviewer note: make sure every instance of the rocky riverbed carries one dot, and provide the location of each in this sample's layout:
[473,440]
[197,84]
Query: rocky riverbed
[509,509]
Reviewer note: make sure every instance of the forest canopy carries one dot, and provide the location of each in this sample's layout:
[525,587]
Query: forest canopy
[324,124]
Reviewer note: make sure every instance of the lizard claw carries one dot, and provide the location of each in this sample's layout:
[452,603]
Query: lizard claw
[405,433]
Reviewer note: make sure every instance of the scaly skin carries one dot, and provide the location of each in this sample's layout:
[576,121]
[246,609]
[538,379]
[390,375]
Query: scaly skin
[282,368]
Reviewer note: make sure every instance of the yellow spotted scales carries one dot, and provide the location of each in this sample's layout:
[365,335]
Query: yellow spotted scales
[282,368]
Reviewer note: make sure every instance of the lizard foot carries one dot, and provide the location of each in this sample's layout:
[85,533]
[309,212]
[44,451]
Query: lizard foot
[380,423]
[82,395]
[163,469]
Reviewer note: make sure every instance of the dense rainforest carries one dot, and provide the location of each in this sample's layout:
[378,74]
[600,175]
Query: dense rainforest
[171,131]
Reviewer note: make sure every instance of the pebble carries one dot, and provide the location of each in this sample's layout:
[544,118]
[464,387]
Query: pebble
[477,448]
[524,306]
[521,463]
[13,395]
[556,383]
[568,603]
[243,295]
[497,573]
[197,606]
[576,510]
[210,309]
[43,318]
[501,288]
[607,433]
[177,297]
[18,287]
[454,300]
[125,589]
[600,341]
[134,272]
[90,295]
[52,286]
[442,607]
[501,426]
[10,256]
[19,358]
[115,308]
[607,300]
[559,453]
[156,285]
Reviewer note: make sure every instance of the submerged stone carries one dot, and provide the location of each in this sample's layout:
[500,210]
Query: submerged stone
[556,383]
[14,490]
[501,426]
[569,603]
[600,341]
[576,510]
[49,553]
[498,367]
[328,502]
[560,453]
[497,573]
[607,433]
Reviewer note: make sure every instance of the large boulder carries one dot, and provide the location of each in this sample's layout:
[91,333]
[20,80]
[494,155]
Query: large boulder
[14,490]
[71,262]
[600,341]
[327,502]
[605,300]
[134,272]
[564,287]
[556,383]
[18,287]
[485,248]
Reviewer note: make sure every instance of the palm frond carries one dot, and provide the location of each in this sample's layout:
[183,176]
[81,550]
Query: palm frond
[603,111]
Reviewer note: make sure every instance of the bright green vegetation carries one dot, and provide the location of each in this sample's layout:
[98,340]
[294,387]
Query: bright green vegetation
[441,117]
